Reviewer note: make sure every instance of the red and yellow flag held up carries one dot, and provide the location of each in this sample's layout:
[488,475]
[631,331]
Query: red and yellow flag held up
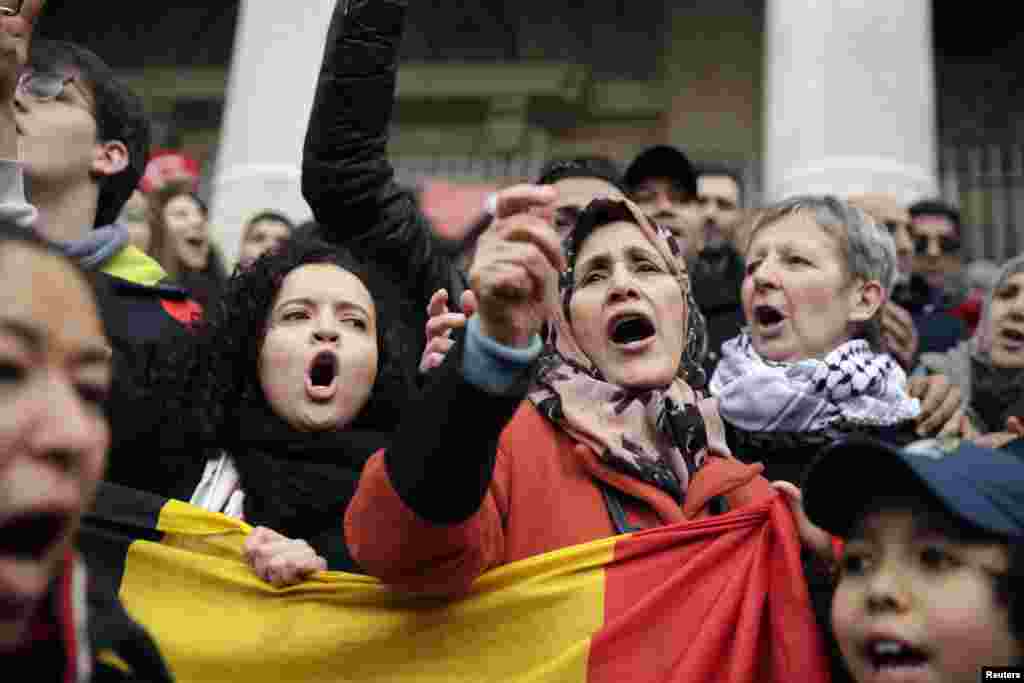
[717,600]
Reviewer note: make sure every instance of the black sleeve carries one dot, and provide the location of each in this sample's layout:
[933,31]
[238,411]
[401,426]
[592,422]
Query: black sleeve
[346,176]
[156,443]
[443,456]
[111,629]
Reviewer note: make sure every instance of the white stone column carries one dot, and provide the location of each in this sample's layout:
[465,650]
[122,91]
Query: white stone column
[849,98]
[277,54]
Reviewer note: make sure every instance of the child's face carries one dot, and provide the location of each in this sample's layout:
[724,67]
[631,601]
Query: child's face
[916,604]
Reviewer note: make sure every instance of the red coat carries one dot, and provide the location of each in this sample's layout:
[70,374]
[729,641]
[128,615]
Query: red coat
[544,495]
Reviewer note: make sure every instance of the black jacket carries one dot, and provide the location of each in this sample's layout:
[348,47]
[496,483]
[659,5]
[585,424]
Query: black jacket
[717,278]
[138,313]
[937,328]
[786,456]
[346,177]
[82,616]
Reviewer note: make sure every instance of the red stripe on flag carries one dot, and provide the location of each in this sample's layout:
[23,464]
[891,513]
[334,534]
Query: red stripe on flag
[722,599]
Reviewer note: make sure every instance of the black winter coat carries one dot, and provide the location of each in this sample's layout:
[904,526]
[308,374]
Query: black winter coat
[346,177]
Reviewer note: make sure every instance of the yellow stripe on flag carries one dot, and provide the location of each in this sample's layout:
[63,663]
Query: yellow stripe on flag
[214,620]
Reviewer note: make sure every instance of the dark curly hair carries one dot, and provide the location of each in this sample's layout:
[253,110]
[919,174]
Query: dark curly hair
[215,379]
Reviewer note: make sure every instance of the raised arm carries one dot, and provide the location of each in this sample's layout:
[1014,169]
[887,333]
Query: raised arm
[346,176]
[344,164]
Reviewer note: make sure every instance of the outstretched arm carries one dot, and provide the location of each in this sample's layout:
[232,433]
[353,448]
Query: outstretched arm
[425,516]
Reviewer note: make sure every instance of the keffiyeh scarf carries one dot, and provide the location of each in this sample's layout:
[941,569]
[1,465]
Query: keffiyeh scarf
[851,386]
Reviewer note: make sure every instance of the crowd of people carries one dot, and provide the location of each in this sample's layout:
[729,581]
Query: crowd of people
[608,351]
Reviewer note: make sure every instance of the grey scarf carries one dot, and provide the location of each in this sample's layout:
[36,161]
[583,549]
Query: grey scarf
[98,247]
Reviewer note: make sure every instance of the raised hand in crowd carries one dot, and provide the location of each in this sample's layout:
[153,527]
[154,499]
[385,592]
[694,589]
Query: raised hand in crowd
[900,335]
[514,275]
[440,325]
[941,414]
[280,560]
[812,537]
[442,321]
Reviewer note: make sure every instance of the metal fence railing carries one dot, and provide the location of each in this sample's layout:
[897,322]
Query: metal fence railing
[987,183]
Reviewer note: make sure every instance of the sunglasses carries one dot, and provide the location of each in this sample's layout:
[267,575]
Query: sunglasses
[947,245]
[10,8]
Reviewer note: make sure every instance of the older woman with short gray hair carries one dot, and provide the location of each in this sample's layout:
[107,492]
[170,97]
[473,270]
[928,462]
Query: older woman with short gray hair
[809,367]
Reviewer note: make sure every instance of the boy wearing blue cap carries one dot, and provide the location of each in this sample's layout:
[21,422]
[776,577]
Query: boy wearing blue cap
[931,568]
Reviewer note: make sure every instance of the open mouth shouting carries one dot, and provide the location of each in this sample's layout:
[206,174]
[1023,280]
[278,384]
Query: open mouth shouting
[631,331]
[31,536]
[322,376]
[26,539]
[768,320]
[1012,339]
[895,660]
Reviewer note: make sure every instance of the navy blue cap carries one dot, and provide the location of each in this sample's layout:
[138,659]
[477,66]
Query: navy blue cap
[662,161]
[982,486]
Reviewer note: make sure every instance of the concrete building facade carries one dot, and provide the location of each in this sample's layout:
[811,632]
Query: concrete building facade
[803,95]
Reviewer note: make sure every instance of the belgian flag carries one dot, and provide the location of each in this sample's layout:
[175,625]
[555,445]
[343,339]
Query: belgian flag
[720,599]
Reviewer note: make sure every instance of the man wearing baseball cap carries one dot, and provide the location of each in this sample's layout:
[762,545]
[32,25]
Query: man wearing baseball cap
[663,182]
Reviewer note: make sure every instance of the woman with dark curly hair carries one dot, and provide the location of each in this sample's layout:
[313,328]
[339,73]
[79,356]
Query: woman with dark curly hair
[287,387]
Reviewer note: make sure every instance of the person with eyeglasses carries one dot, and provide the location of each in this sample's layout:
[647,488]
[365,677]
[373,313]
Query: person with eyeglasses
[80,140]
[935,227]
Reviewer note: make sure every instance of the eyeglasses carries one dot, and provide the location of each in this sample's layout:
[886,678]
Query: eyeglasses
[42,86]
[10,8]
[947,244]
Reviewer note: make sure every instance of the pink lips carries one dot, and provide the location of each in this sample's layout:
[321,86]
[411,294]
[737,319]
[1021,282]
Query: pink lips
[768,320]
[631,331]
[322,376]
[321,393]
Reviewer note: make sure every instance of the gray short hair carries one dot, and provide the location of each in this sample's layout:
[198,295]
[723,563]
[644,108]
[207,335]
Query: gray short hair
[869,249]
